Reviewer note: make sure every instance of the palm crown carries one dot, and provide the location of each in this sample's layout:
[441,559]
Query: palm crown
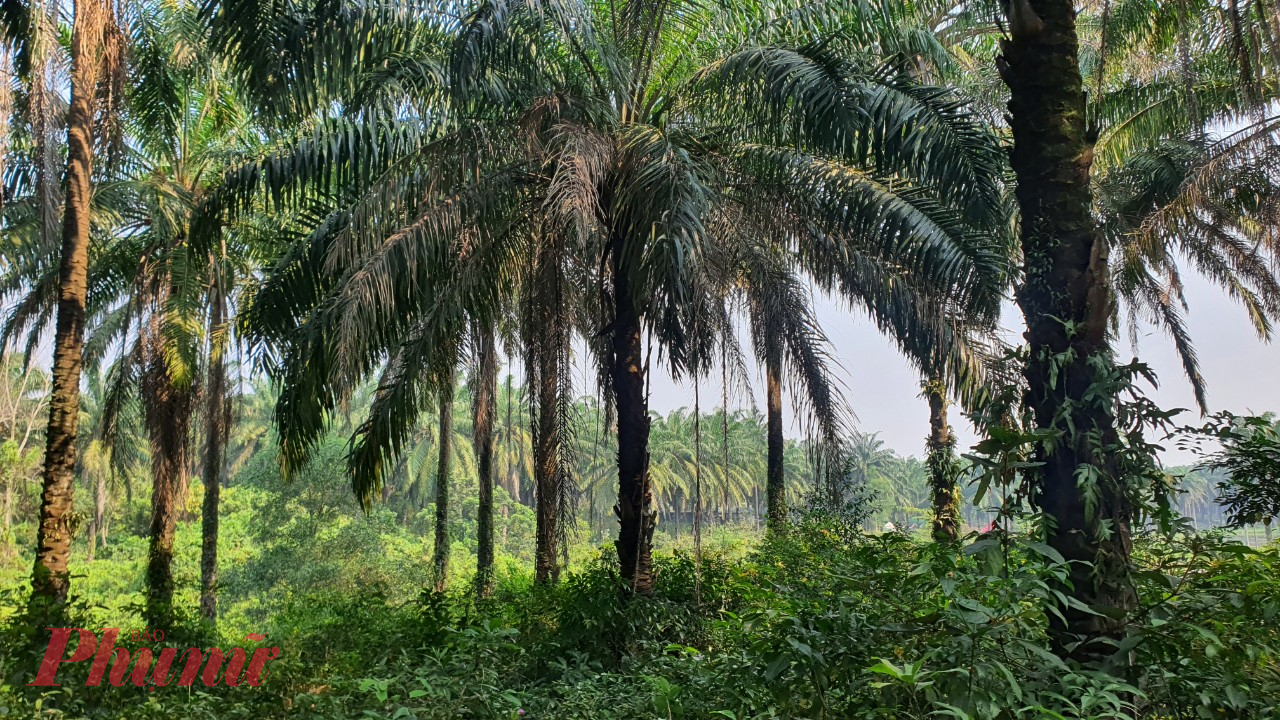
[642,137]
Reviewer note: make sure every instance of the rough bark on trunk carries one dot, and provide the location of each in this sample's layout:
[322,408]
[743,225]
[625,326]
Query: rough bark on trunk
[943,468]
[484,407]
[168,412]
[215,443]
[775,485]
[440,557]
[100,509]
[1067,306]
[50,578]
[546,338]
[635,496]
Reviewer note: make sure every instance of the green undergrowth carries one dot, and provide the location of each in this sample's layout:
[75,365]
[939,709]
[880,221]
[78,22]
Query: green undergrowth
[820,624]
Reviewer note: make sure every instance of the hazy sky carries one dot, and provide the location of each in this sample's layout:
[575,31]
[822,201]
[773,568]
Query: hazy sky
[1242,372]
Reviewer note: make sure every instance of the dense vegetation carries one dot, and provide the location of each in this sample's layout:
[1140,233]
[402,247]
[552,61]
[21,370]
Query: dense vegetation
[355,308]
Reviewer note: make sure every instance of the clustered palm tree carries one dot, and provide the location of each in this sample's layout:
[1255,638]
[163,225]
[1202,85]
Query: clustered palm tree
[653,158]
[364,195]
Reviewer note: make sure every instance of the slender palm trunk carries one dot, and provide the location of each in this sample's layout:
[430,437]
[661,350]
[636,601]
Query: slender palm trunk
[775,486]
[168,412]
[215,426]
[942,466]
[697,490]
[484,407]
[100,509]
[678,501]
[1067,307]
[50,578]
[546,338]
[440,557]
[635,496]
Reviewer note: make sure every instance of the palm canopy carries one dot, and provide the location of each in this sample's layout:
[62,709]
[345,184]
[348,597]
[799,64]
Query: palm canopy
[1182,101]
[1187,151]
[634,131]
[183,124]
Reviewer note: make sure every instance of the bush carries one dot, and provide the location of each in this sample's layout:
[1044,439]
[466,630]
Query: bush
[823,622]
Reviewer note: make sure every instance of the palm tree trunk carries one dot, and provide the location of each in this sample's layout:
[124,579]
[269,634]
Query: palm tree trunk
[50,578]
[679,508]
[1067,306]
[942,465]
[168,411]
[215,426]
[546,462]
[775,485]
[484,408]
[546,336]
[635,496]
[697,490]
[440,557]
[100,520]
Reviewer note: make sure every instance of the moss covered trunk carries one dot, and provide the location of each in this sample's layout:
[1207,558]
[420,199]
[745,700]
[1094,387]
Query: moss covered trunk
[1065,300]
[943,467]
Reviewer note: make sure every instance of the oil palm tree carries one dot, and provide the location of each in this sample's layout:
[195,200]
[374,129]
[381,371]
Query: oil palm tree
[786,334]
[1164,187]
[1066,300]
[148,283]
[95,70]
[629,134]
[1188,139]
[1169,145]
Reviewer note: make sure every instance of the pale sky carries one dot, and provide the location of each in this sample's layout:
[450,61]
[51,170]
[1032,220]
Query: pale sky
[1242,372]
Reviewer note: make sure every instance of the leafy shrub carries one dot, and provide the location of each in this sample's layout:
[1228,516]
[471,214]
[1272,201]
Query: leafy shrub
[822,622]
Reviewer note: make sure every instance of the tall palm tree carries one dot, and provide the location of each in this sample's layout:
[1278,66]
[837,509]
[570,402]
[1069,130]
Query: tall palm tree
[786,334]
[217,422]
[628,133]
[546,326]
[95,52]
[1158,191]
